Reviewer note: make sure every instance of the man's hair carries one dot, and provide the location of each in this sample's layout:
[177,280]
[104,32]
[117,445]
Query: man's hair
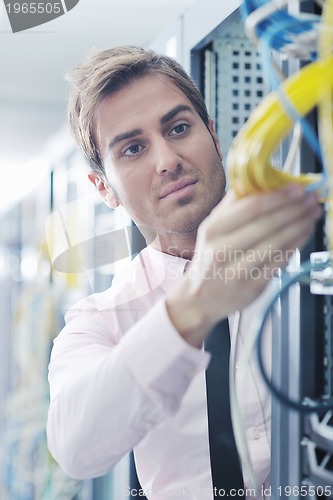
[108,71]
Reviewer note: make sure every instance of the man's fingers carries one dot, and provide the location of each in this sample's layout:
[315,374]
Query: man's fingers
[232,213]
[276,230]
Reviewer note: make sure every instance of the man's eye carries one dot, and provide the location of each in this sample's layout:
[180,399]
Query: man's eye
[179,129]
[132,150]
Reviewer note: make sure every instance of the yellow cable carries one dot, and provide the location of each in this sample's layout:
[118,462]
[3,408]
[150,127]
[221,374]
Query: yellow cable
[325,126]
[248,161]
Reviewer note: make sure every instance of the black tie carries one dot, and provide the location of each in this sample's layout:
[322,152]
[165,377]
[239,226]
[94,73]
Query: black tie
[225,464]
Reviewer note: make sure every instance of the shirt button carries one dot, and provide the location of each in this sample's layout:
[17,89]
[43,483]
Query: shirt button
[256,434]
[239,366]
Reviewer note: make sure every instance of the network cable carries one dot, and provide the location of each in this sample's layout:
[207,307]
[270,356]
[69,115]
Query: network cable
[307,405]
[248,160]
[271,24]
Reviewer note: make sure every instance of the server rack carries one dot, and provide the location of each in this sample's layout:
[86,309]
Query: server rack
[228,71]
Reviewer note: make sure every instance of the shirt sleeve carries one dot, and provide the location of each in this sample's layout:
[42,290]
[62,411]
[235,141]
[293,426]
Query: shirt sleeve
[106,395]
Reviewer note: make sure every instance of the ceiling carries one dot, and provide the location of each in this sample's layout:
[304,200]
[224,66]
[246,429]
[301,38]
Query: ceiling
[33,92]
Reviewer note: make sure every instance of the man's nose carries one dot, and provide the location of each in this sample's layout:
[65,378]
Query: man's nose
[166,157]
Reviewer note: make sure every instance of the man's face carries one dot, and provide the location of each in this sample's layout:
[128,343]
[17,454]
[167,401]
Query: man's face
[160,160]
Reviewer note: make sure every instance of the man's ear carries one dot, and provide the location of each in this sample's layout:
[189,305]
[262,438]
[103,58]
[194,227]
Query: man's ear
[105,190]
[211,129]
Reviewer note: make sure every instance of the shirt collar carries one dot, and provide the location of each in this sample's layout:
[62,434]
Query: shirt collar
[163,269]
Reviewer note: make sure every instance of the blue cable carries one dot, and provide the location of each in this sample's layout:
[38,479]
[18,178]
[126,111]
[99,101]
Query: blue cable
[275,32]
[277,20]
[308,405]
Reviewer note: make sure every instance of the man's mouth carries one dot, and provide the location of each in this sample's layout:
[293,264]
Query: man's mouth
[180,188]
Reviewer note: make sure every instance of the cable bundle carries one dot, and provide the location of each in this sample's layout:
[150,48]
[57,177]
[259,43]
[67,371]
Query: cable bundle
[249,165]
[266,23]
[248,162]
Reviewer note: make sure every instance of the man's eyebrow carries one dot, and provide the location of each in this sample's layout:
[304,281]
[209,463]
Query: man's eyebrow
[124,136]
[164,119]
[171,114]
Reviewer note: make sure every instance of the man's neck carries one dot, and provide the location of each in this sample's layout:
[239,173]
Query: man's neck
[180,245]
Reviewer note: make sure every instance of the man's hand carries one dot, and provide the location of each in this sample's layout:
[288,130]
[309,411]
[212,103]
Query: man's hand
[239,247]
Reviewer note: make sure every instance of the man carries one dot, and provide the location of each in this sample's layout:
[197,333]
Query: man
[128,370]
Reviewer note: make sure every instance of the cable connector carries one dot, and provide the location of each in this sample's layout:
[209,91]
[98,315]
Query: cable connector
[321,274]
